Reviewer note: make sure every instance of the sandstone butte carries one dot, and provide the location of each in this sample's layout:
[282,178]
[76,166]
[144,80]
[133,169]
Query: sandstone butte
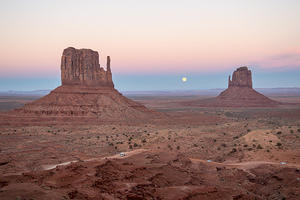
[238,94]
[87,91]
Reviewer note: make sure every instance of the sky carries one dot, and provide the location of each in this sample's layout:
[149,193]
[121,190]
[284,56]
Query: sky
[152,44]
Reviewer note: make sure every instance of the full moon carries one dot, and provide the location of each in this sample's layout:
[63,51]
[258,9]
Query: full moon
[183,79]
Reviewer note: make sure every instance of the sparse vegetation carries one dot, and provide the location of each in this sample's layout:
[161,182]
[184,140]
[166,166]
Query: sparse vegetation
[278,144]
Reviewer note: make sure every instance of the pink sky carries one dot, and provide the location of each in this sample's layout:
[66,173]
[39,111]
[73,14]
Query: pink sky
[150,36]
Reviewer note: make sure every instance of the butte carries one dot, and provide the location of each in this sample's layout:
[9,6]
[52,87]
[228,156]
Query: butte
[238,94]
[87,94]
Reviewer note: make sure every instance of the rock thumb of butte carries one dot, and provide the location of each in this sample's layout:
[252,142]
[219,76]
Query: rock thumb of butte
[87,90]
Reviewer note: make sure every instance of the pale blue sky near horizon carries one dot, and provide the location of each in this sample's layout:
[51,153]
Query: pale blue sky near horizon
[163,82]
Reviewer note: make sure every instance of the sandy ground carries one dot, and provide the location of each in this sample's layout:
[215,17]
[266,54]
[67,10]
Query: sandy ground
[196,153]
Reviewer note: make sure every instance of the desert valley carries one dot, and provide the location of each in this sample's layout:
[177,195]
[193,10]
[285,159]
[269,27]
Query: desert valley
[149,100]
[85,140]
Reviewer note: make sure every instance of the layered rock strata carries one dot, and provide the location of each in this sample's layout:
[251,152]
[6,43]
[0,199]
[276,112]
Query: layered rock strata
[87,90]
[238,94]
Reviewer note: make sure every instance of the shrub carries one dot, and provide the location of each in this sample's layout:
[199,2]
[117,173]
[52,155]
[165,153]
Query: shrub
[233,150]
[259,146]
[279,132]
[291,131]
[135,144]
[278,144]
[178,147]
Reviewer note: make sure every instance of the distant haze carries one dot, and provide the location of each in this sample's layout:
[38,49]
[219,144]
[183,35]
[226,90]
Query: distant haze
[153,44]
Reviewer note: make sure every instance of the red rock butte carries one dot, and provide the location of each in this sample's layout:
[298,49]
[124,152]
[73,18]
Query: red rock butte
[87,90]
[81,67]
[238,94]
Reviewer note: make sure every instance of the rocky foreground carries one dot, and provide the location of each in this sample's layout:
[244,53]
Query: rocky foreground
[144,174]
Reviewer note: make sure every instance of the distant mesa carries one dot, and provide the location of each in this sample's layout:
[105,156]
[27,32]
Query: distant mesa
[238,94]
[87,91]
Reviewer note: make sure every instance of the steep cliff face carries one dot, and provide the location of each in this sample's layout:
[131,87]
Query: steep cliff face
[81,67]
[238,94]
[241,77]
[87,91]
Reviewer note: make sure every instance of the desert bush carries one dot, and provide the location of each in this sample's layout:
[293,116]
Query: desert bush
[291,131]
[259,146]
[279,132]
[299,130]
[278,144]
[135,144]
[178,147]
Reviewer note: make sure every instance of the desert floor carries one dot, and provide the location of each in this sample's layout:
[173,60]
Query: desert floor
[196,153]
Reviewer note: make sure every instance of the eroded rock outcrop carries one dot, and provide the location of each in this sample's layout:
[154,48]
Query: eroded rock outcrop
[87,91]
[238,94]
[241,78]
[81,67]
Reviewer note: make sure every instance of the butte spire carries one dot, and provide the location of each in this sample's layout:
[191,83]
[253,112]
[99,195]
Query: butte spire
[240,93]
[87,92]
